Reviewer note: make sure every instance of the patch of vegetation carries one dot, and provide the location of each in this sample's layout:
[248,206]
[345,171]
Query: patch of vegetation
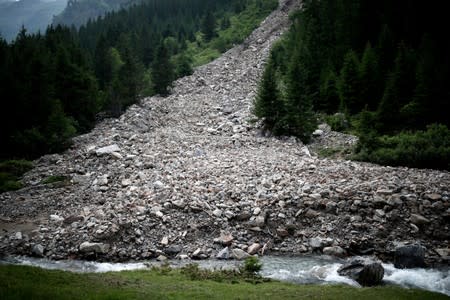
[10,173]
[423,149]
[330,152]
[22,282]
[55,179]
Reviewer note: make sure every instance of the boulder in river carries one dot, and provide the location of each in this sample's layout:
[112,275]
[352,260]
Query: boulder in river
[365,272]
[409,256]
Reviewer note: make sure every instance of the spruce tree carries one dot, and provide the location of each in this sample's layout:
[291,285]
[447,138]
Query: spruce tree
[268,104]
[370,79]
[209,26]
[162,71]
[349,85]
[299,119]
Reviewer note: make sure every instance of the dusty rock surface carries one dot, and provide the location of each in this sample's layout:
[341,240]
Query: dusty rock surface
[190,174]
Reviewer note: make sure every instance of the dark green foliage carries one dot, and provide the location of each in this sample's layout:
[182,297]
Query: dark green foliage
[10,173]
[252,265]
[162,71]
[209,26]
[55,179]
[53,92]
[268,103]
[384,63]
[349,84]
[421,149]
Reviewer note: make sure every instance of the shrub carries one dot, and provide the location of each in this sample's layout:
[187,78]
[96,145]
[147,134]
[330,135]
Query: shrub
[252,265]
[420,149]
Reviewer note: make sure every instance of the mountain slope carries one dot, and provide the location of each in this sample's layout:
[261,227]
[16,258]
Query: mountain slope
[183,171]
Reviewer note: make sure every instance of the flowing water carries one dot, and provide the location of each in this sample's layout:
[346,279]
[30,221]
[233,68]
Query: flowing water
[301,270]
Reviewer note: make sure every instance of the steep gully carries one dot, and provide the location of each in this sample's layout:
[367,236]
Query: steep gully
[187,175]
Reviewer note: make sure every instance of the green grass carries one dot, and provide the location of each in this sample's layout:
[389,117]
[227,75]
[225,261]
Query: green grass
[20,282]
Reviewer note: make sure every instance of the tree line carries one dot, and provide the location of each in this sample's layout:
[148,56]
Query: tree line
[383,66]
[57,84]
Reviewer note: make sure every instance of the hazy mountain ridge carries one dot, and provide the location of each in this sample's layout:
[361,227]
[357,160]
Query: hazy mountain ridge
[78,12]
[34,15]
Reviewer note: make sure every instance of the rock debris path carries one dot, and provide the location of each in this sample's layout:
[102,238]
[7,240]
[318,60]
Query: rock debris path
[188,175]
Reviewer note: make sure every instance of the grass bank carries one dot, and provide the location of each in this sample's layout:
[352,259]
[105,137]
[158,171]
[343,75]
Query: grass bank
[20,282]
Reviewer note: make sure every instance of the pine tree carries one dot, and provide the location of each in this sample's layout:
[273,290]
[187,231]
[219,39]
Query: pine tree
[398,92]
[370,79]
[162,71]
[329,97]
[299,120]
[349,85]
[209,26]
[268,104]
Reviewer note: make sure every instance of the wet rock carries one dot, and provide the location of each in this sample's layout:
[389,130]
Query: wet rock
[410,256]
[365,272]
[87,247]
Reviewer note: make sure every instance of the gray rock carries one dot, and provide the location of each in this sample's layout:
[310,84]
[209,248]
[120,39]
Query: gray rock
[335,251]
[418,219]
[94,247]
[225,239]
[107,150]
[254,248]
[239,254]
[173,250]
[410,256]
[366,273]
[316,243]
[223,254]
[38,250]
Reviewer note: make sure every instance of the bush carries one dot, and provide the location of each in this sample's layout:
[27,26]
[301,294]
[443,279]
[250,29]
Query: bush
[420,149]
[252,265]
[10,173]
[54,179]
[16,167]
[337,122]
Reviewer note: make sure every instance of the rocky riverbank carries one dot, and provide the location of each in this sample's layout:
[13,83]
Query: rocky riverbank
[192,173]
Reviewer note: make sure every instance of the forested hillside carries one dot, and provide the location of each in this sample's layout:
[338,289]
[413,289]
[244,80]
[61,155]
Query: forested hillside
[383,66]
[54,85]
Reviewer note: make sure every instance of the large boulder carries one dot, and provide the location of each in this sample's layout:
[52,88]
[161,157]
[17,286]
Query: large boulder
[87,247]
[409,256]
[365,272]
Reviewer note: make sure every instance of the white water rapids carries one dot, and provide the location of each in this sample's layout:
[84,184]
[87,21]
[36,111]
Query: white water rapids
[301,270]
